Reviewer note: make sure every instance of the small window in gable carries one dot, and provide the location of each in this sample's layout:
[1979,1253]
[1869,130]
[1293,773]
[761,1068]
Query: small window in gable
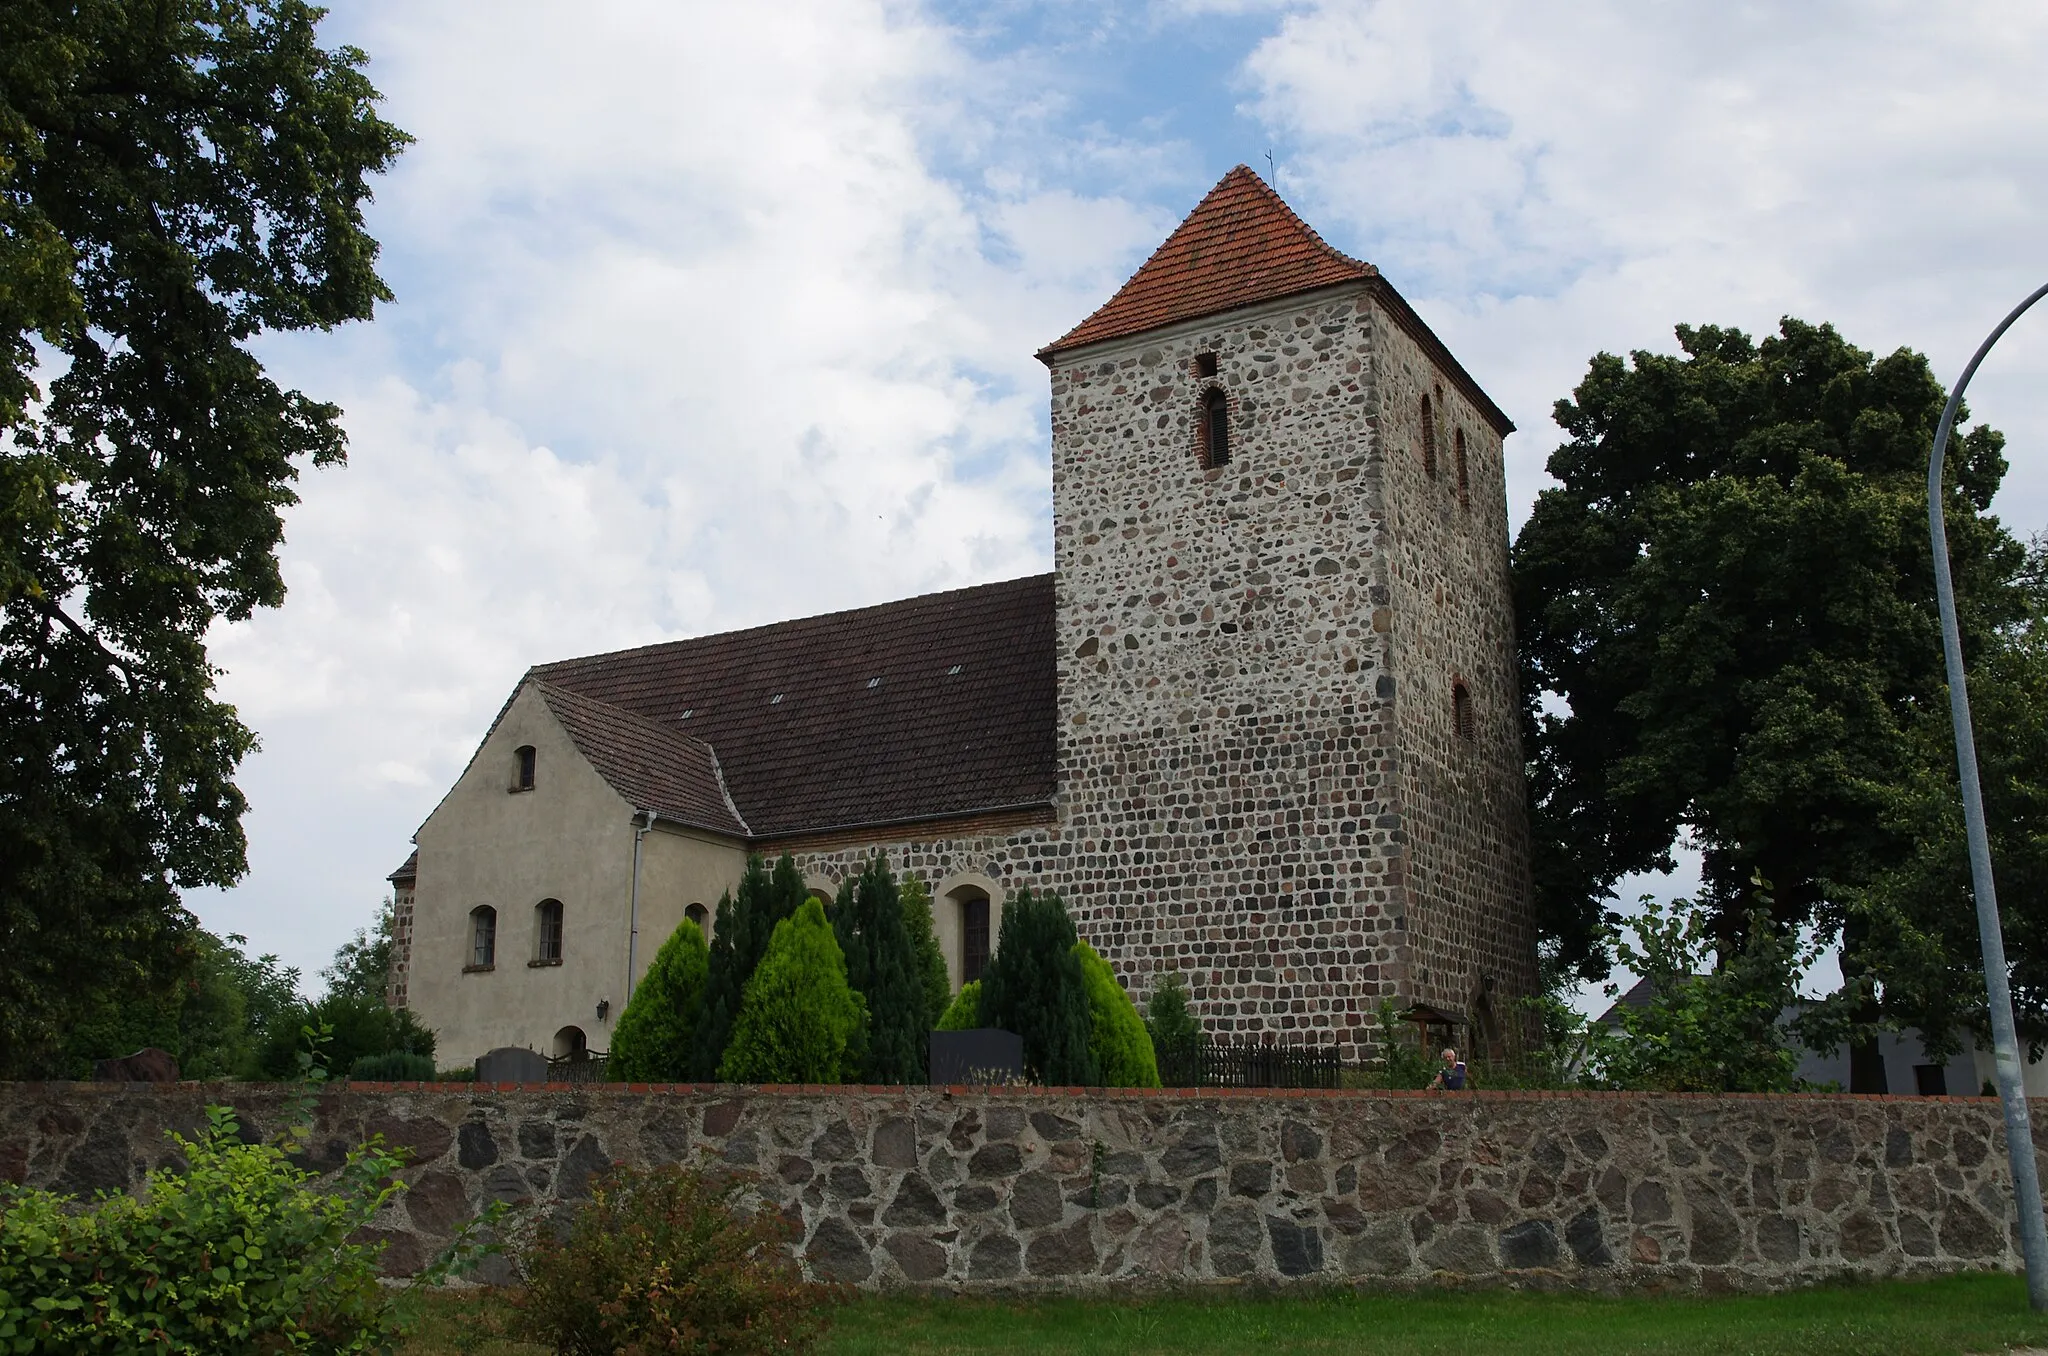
[701,916]
[483,937]
[1464,480]
[1205,364]
[547,932]
[1214,431]
[1461,711]
[522,768]
[1428,438]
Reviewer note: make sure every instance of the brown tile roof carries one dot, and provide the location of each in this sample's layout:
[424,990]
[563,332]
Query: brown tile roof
[928,707]
[651,765]
[1241,245]
[408,873]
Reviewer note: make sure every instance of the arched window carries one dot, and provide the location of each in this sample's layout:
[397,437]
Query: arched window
[974,938]
[1428,438]
[571,1043]
[547,932]
[1464,481]
[483,937]
[701,916]
[522,768]
[1461,711]
[1214,432]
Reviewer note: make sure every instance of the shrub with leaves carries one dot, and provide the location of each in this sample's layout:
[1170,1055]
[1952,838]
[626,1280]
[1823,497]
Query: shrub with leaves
[394,1067]
[1176,1034]
[1707,1027]
[653,1042]
[235,1252]
[667,1260]
[799,1019]
[964,1012]
[1034,987]
[1117,1036]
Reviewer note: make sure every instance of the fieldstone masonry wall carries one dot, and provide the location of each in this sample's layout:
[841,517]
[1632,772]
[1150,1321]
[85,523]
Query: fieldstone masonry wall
[1077,1190]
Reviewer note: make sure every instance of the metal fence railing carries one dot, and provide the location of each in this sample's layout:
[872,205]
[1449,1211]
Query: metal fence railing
[1228,1064]
[584,1068]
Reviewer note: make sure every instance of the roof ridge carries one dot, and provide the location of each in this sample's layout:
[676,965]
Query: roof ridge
[842,614]
[1240,245]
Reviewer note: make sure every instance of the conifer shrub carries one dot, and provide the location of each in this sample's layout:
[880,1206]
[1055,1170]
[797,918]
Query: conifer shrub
[745,922]
[653,1041]
[799,1017]
[964,1012]
[395,1067]
[1034,987]
[1117,1036]
[1176,1034]
[924,945]
[881,965]
[667,1260]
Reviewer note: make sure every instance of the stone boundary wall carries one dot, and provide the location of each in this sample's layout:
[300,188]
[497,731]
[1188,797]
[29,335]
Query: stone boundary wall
[1084,1189]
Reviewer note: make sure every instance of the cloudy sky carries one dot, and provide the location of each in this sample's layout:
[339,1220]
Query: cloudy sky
[710,314]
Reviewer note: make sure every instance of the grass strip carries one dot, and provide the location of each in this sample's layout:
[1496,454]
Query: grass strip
[1944,1317]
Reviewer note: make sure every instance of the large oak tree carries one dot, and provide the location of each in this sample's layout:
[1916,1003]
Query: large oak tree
[176,178]
[1728,632]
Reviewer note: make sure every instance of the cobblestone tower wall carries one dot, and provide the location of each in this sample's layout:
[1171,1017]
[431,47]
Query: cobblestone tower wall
[1241,777]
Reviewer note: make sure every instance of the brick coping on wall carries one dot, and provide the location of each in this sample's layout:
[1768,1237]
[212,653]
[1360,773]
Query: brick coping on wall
[455,1087]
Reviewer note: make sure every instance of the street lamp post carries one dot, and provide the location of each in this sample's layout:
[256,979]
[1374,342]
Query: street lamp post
[2012,1093]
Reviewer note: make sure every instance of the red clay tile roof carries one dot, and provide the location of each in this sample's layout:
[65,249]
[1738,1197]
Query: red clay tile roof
[408,873]
[651,765]
[934,706]
[1241,245]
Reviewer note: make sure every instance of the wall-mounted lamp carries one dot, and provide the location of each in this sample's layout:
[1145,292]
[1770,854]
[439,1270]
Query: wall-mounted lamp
[604,1007]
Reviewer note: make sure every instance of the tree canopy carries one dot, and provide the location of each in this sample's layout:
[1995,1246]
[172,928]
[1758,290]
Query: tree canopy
[655,1039]
[1034,986]
[882,966]
[175,180]
[799,1017]
[1727,626]
[740,931]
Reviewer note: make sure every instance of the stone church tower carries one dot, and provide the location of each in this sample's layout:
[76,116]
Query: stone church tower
[1289,758]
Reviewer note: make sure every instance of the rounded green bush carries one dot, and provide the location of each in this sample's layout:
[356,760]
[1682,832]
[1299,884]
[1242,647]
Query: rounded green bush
[1118,1039]
[394,1067]
[964,1012]
[799,1015]
[653,1043]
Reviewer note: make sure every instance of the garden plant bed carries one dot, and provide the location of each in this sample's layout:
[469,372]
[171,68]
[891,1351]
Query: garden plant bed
[1955,1314]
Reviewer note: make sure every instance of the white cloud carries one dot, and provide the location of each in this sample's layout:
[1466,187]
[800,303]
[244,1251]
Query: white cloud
[1546,181]
[690,336]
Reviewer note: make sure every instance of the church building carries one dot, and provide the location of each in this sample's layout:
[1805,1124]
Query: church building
[1260,726]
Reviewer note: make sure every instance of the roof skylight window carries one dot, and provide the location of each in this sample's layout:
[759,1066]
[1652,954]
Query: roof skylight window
[953,672]
[874,683]
[775,700]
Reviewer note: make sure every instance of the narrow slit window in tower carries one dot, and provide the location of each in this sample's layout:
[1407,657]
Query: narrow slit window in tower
[1464,480]
[1461,711]
[1215,429]
[1428,439]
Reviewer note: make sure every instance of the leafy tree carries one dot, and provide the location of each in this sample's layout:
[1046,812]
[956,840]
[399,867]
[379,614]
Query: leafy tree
[361,1027]
[924,945]
[176,179]
[964,1012]
[799,1017]
[1034,987]
[1711,1025]
[1728,628]
[1117,1037]
[215,1019]
[654,1042]
[882,967]
[362,966]
[744,922]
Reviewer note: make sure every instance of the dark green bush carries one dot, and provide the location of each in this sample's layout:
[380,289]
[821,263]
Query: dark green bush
[236,1252]
[1171,1023]
[1034,988]
[360,1024]
[1117,1037]
[654,1039]
[799,1019]
[740,933]
[666,1260]
[924,944]
[882,967]
[964,1012]
[393,1067]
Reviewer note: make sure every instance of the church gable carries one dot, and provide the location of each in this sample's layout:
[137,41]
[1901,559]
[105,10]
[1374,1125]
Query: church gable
[652,767]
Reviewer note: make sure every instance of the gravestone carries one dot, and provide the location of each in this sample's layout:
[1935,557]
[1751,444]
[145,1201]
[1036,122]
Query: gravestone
[983,1055]
[512,1064]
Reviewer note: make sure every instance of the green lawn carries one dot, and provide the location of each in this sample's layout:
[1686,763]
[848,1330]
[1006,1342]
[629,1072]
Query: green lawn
[1952,1315]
